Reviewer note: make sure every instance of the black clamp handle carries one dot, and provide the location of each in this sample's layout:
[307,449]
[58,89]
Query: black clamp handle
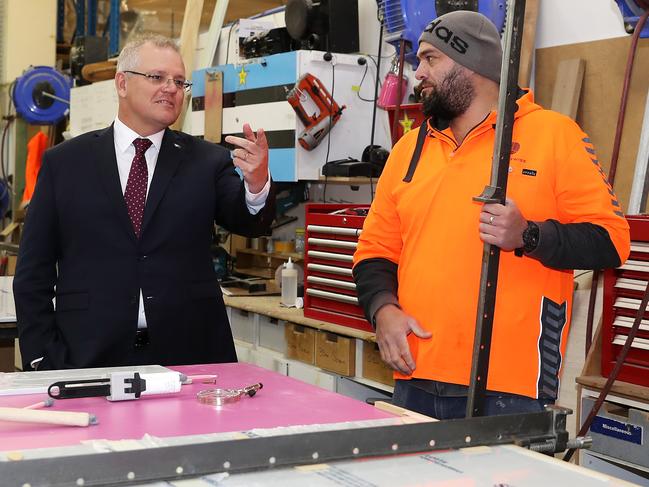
[79,388]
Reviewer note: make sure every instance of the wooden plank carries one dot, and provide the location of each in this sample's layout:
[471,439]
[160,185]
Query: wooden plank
[567,87]
[188,40]
[529,41]
[206,58]
[408,415]
[213,106]
[638,197]
[208,53]
[600,100]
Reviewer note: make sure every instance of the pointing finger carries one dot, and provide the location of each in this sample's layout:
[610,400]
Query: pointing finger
[240,142]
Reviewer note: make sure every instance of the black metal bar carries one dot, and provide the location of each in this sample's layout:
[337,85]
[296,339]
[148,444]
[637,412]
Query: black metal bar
[81,18]
[92,17]
[241,455]
[495,193]
[60,21]
[380,15]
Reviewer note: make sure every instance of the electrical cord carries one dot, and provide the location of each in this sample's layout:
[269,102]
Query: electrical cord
[358,93]
[594,285]
[377,67]
[331,117]
[397,108]
[614,159]
[9,117]
[2,149]
[227,48]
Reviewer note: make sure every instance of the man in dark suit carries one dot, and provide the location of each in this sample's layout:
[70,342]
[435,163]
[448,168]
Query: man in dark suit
[120,227]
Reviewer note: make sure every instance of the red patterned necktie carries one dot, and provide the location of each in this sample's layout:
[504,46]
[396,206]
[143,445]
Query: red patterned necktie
[135,193]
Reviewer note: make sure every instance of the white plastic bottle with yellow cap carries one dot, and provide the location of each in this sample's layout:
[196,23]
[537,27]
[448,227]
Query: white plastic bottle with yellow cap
[289,284]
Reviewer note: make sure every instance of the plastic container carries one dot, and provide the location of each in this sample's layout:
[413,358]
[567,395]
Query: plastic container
[299,240]
[390,92]
[289,284]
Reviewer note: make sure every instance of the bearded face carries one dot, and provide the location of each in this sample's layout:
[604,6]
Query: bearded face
[450,97]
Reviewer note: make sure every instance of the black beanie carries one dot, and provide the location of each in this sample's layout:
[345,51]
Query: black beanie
[468,38]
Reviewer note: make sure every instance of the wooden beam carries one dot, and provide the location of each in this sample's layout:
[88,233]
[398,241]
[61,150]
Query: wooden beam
[213,106]
[567,87]
[188,40]
[207,55]
[638,197]
[528,46]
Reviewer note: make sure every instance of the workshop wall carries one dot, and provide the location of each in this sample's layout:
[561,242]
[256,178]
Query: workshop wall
[559,22]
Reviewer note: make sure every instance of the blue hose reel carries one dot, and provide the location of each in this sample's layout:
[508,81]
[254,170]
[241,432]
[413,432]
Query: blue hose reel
[42,95]
[406,19]
[631,13]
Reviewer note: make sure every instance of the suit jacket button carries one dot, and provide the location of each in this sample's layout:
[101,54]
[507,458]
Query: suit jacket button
[133,300]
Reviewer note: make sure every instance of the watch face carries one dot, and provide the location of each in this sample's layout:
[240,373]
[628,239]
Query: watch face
[530,237]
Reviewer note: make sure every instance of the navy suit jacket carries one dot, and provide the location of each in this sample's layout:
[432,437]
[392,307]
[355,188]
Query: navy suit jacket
[78,245]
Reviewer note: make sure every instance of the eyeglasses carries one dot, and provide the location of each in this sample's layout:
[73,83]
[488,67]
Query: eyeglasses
[158,79]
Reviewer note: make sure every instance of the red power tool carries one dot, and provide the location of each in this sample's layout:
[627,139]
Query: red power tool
[317,110]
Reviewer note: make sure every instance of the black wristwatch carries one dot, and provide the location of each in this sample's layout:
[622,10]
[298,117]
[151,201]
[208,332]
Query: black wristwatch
[530,239]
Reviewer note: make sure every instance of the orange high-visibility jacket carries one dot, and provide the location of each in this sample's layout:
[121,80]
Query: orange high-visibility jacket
[429,228]
[35,149]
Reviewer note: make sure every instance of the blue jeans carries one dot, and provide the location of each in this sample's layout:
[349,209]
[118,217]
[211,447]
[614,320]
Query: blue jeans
[448,401]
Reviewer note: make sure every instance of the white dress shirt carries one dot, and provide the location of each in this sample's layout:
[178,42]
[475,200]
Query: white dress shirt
[125,151]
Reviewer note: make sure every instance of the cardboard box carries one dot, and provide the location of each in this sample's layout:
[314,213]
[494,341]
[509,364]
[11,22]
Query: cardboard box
[335,353]
[242,324]
[18,360]
[272,334]
[11,265]
[300,343]
[373,367]
[7,355]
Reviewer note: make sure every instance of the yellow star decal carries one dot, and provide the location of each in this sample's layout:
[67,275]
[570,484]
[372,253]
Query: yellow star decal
[406,123]
[242,76]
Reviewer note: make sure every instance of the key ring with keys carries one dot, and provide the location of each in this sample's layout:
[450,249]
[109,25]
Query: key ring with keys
[219,397]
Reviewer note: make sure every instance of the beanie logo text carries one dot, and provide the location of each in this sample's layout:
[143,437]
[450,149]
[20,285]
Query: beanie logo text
[446,35]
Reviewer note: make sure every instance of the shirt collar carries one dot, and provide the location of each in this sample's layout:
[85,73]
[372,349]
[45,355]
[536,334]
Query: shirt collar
[124,136]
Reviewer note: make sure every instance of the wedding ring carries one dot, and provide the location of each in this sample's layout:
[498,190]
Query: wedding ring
[491,220]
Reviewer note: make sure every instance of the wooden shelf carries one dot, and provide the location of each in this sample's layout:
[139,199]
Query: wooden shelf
[275,255]
[264,272]
[270,306]
[258,263]
[591,374]
[354,181]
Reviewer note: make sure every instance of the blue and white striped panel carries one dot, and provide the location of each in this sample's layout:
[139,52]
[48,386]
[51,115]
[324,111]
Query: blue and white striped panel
[256,93]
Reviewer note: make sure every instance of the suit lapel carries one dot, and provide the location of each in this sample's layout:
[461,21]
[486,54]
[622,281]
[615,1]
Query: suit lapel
[109,176]
[171,155]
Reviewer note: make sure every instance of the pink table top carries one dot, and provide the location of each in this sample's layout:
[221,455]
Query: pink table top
[283,401]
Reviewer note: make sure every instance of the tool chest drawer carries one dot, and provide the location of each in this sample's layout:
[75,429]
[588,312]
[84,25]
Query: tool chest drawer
[624,288]
[332,233]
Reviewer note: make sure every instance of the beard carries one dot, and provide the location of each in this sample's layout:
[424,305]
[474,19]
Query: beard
[451,97]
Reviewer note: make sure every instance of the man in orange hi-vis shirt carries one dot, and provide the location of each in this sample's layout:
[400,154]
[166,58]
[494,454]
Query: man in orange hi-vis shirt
[417,266]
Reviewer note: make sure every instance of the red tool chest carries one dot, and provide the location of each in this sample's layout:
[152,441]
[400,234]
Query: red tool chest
[331,236]
[623,291]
